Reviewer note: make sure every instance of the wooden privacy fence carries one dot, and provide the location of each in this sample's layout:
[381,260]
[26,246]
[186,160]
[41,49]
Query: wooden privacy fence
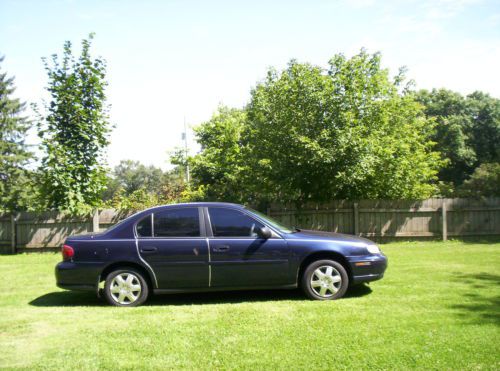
[32,230]
[397,218]
[376,219]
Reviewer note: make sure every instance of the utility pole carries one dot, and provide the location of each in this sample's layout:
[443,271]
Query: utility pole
[184,135]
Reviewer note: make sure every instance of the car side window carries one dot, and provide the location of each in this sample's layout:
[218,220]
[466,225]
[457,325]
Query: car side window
[183,222]
[143,228]
[232,223]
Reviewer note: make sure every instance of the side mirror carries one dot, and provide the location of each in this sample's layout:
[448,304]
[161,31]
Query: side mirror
[265,232]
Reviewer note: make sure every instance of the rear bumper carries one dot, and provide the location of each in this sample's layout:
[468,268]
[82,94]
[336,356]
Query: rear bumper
[367,268]
[78,276]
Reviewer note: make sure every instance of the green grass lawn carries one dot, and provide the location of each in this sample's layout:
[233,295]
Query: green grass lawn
[437,308]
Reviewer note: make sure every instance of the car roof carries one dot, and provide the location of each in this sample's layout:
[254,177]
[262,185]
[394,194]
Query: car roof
[125,225]
[199,204]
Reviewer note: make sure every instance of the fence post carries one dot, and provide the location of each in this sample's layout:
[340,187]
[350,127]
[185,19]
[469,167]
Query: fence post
[356,219]
[445,224]
[95,221]
[13,233]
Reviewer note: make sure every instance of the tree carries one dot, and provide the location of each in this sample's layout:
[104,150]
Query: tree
[485,131]
[484,182]
[449,111]
[132,184]
[348,133]
[132,175]
[467,131]
[15,189]
[179,158]
[219,171]
[314,135]
[74,131]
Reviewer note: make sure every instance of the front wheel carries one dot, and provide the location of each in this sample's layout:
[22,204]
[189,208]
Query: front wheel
[325,280]
[126,288]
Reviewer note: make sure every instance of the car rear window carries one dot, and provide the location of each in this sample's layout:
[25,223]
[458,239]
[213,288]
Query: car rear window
[144,227]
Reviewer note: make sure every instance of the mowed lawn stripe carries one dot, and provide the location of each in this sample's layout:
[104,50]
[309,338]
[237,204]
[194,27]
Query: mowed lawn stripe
[438,307]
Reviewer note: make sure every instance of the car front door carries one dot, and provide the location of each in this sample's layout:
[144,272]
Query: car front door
[171,242]
[239,257]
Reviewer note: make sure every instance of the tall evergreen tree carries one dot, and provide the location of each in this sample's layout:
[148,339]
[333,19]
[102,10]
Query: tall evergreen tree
[75,131]
[14,153]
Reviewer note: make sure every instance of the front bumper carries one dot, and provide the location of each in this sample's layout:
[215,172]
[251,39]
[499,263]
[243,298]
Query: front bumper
[78,276]
[367,268]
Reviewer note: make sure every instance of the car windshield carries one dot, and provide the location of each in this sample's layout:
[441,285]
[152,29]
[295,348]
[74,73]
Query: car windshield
[273,223]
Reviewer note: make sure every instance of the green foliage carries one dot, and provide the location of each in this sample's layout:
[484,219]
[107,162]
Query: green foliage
[485,131]
[16,191]
[484,182]
[449,111]
[219,172]
[196,194]
[135,186]
[179,159]
[132,175]
[74,131]
[467,131]
[139,199]
[315,135]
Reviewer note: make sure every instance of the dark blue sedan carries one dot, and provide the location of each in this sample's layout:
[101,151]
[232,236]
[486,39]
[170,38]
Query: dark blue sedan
[213,246]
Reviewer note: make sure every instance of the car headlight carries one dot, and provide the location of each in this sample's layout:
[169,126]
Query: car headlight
[373,249]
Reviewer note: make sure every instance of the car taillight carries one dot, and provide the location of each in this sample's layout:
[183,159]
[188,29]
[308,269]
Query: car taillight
[67,252]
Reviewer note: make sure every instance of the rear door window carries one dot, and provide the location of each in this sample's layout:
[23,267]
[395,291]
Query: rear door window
[183,222]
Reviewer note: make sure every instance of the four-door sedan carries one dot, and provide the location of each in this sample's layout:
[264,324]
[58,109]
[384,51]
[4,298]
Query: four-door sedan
[213,246]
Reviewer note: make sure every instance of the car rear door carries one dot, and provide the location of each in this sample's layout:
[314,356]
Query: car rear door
[171,242]
[239,257]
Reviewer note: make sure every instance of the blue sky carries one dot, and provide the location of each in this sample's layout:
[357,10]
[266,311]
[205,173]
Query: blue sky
[173,59]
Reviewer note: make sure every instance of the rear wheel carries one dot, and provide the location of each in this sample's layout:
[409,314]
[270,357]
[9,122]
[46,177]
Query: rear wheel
[126,287]
[325,280]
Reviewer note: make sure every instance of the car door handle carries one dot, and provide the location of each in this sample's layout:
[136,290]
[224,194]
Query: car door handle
[149,249]
[221,248]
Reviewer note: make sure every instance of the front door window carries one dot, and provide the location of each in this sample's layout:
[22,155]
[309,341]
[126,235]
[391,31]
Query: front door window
[233,223]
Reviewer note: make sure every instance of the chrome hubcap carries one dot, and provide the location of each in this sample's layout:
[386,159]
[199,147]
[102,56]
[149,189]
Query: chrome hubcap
[326,281]
[125,288]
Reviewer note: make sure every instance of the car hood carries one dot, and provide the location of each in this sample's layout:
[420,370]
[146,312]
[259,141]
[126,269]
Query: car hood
[330,236]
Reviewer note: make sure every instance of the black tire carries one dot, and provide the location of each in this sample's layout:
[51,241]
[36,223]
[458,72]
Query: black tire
[337,271]
[129,292]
